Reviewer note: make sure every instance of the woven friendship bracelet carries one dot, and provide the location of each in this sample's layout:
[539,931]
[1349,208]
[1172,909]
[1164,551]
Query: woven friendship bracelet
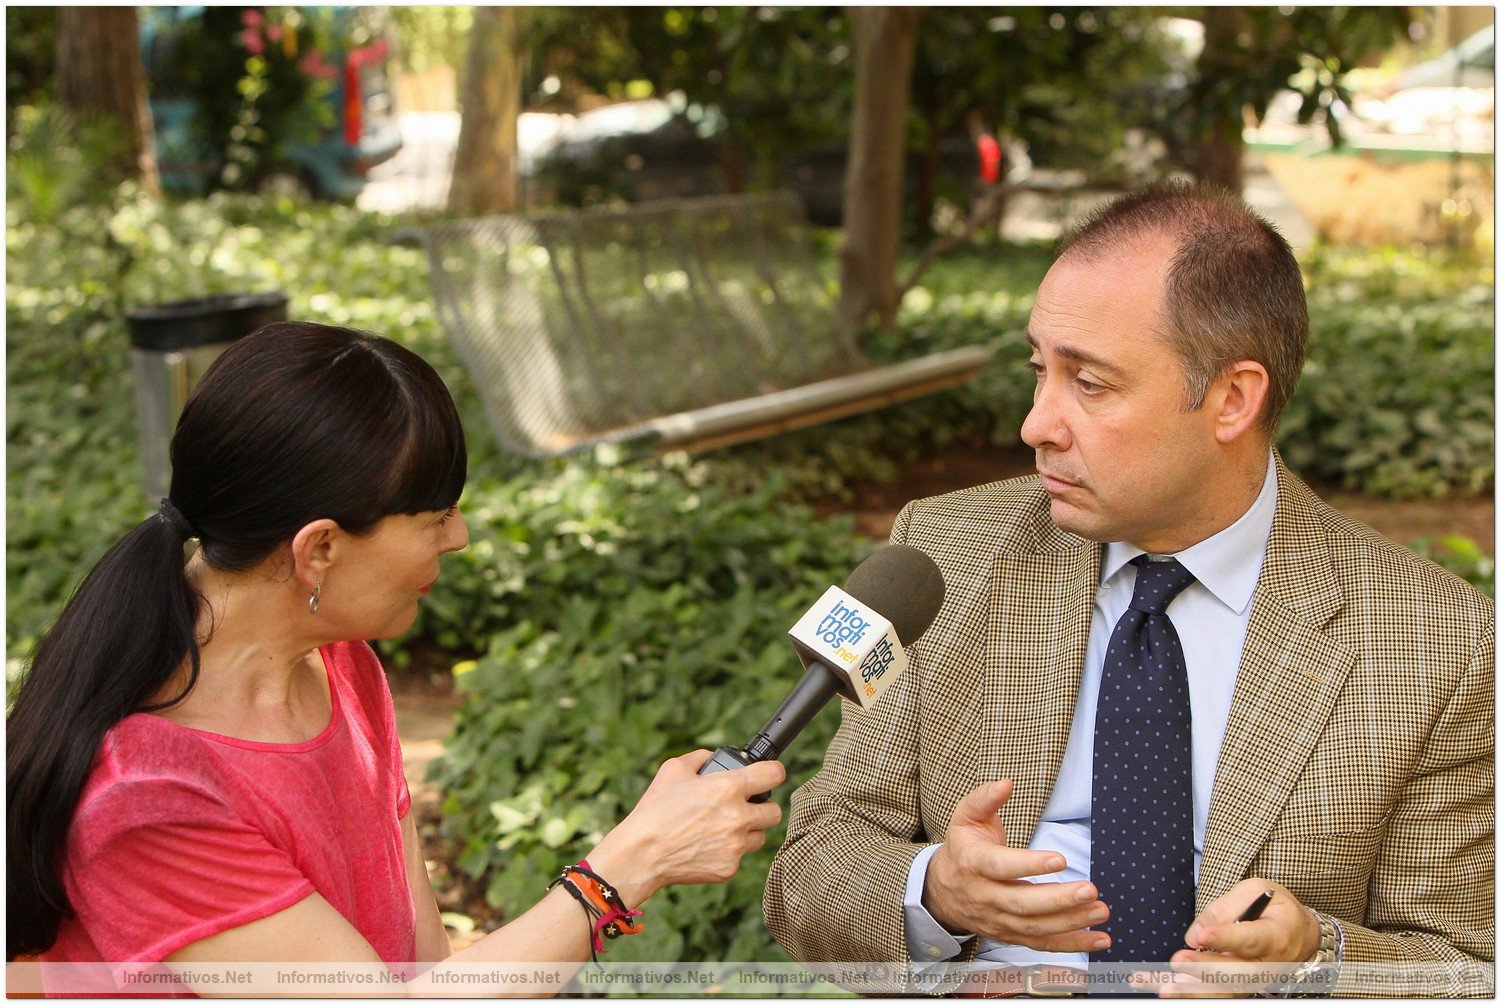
[607,913]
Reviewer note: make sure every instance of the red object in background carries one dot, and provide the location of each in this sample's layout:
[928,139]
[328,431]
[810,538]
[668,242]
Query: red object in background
[314,65]
[354,98]
[250,38]
[989,158]
[354,104]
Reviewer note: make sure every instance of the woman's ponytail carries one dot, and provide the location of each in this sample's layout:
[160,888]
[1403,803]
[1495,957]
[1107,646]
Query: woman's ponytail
[127,631]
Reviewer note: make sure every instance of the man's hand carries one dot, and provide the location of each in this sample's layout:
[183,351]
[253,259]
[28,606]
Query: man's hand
[1225,958]
[976,884]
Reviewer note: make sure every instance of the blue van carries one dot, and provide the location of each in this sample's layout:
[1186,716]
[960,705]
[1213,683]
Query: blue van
[358,127]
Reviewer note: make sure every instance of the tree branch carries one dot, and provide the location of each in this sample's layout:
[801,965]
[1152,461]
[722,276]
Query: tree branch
[985,212]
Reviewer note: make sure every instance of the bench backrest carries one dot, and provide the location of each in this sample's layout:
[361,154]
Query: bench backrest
[576,324]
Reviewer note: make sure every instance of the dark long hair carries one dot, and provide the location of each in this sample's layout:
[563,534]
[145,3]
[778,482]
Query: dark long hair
[293,423]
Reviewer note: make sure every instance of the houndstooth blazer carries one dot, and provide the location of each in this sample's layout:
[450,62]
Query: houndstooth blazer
[1357,767]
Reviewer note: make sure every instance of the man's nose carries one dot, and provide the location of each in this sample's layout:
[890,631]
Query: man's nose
[1045,427]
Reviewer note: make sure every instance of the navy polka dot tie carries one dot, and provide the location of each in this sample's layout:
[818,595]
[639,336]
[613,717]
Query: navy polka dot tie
[1143,775]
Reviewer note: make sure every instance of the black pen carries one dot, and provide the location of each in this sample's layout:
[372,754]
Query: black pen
[1254,910]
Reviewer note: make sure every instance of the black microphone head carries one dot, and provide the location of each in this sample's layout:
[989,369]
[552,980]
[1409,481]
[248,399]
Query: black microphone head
[903,585]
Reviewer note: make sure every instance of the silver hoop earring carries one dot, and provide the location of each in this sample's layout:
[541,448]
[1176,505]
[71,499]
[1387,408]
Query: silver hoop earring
[312,601]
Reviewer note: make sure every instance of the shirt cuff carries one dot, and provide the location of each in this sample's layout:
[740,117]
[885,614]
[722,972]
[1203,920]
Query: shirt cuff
[927,941]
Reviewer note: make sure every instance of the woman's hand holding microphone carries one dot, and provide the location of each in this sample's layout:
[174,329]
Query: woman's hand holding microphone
[687,829]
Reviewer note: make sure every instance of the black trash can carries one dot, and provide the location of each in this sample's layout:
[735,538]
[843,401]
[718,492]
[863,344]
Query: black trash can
[171,346]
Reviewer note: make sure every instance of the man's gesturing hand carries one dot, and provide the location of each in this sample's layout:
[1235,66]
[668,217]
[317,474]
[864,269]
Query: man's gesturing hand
[977,885]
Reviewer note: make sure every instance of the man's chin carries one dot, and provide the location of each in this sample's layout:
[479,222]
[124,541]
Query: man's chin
[1070,519]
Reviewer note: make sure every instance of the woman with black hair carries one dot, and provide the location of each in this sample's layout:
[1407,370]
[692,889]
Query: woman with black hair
[202,764]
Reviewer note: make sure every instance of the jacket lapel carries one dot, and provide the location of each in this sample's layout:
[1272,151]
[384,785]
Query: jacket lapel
[1035,664]
[1290,675]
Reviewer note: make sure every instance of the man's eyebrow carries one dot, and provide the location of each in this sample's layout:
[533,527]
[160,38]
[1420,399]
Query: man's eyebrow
[1078,355]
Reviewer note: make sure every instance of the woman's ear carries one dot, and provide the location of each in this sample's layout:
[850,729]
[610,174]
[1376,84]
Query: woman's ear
[312,551]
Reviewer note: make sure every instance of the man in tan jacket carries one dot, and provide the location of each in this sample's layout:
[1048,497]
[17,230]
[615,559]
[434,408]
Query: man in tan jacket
[1166,681]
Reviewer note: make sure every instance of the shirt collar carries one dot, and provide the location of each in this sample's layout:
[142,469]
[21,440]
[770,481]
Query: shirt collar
[1228,563]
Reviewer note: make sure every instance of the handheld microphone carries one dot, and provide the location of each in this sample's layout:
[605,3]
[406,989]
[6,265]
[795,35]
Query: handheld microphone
[853,642]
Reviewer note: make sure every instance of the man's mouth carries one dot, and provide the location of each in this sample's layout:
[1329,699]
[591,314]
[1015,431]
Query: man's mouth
[1053,483]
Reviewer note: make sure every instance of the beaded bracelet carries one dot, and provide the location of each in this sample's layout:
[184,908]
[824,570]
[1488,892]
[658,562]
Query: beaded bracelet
[607,913]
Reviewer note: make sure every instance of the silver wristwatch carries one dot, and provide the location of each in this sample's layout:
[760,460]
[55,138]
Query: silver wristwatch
[1318,975]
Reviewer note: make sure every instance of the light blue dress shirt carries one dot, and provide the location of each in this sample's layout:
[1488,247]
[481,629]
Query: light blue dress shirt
[1211,617]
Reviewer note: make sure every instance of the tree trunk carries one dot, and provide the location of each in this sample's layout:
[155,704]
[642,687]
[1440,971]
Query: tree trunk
[1221,153]
[1219,157]
[927,180]
[100,77]
[732,165]
[484,168]
[884,44]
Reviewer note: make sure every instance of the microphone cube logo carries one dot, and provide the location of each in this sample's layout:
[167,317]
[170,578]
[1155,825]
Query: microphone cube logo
[877,662]
[842,626]
[854,641]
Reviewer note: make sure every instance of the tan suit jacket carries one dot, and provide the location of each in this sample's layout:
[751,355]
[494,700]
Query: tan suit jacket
[1357,767]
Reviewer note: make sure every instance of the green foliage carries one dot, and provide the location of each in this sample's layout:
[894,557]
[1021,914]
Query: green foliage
[775,82]
[1462,557]
[30,49]
[429,36]
[776,78]
[621,615]
[258,79]
[632,615]
[55,161]
[1050,77]
[1306,47]
[72,465]
[1251,54]
[1398,394]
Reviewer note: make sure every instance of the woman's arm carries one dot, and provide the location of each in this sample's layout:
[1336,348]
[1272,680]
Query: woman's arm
[312,931]
[432,936]
[685,830]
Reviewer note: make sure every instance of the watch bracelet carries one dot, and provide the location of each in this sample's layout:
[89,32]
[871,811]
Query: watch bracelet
[1313,978]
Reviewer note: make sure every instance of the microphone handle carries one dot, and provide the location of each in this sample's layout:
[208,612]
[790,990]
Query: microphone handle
[727,758]
[816,688]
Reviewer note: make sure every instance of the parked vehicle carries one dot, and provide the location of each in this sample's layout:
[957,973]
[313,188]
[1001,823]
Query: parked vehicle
[633,150]
[337,116]
[644,150]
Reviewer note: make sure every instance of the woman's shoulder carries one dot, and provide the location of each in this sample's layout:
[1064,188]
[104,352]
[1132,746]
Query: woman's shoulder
[144,754]
[354,659]
[356,663]
[144,744]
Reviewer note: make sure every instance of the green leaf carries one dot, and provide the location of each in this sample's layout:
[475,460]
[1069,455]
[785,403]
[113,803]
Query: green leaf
[459,922]
[508,819]
[556,832]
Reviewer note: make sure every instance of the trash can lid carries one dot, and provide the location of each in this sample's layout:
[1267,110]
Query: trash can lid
[186,324]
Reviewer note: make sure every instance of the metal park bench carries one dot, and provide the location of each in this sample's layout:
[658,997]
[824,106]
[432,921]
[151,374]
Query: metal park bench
[687,324]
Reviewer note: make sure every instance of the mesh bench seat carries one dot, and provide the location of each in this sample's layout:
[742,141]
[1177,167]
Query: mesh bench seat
[687,324]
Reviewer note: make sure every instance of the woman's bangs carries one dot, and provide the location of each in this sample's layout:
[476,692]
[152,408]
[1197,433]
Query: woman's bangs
[431,471]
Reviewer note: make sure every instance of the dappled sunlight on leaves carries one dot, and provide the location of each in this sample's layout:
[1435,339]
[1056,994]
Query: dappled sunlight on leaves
[604,605]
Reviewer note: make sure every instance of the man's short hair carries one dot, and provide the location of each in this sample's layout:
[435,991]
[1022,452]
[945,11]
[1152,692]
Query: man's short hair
[1233,289]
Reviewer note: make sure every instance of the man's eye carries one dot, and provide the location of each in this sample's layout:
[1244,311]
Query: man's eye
[1036,368]
[445,517]
[1089,387]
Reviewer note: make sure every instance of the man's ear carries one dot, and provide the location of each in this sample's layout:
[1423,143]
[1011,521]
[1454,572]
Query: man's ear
[312,551]
[1238,396]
